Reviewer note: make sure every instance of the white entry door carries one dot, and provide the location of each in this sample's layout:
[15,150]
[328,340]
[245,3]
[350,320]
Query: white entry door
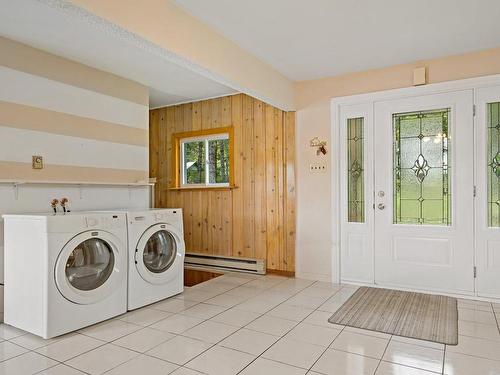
[488,191]
[423,192]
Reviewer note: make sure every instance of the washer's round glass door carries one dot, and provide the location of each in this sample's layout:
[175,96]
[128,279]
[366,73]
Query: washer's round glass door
[90,264]
[159,251]
[91,267]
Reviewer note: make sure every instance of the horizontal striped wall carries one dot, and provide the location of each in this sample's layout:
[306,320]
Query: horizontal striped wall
[93,128]
[89,126]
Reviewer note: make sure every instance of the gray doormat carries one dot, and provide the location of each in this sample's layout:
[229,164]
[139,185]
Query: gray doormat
[416,315]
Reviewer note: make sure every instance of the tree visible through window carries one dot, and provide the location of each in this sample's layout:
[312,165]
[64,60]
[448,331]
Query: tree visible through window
[194,162]
[218,161]
[205,160]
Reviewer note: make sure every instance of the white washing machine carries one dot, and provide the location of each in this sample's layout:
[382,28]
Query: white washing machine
[64,272]
[156,255]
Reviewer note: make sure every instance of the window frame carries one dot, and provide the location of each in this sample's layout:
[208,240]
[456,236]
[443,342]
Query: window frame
[206,135]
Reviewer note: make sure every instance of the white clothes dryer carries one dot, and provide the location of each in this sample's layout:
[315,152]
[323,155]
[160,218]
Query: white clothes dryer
[64,272]
[156,255]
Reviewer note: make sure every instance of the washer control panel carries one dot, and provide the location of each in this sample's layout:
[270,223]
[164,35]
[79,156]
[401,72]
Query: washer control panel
[104,222]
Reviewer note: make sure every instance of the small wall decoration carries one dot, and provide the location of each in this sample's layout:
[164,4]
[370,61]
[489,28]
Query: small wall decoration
[320,145]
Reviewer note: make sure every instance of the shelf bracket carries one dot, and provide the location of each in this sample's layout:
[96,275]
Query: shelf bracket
[16,190]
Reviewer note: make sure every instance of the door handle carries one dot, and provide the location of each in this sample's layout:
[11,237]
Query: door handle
[381,206]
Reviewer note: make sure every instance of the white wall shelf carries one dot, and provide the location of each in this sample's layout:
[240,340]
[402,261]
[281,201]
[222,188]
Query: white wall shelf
[17,184]
[74,183]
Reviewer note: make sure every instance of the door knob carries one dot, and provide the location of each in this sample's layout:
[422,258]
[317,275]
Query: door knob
[381,206]
[381,194]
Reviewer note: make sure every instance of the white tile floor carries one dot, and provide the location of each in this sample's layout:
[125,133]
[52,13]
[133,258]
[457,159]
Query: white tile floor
[250,325]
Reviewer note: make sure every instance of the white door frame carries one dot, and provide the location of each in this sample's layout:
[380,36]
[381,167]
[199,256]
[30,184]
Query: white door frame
[357,245]
[487,239]
[371,98]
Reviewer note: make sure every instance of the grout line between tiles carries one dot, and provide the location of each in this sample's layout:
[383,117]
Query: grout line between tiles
[383,354]
[444,359]
[205,320]
[110,342]
[496,318]
[297,323]
[296,291]
[180,334]
[412,367]
[264,313]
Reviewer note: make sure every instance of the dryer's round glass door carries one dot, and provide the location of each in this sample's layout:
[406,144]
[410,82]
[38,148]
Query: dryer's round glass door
[159,252]
[90,264]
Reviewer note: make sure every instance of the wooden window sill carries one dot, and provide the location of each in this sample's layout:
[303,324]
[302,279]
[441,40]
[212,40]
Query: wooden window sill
[203,188]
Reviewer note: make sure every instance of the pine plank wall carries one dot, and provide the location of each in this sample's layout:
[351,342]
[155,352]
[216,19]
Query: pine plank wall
[256,219]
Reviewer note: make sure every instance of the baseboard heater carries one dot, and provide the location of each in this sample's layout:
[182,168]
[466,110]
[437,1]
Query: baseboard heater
[223,263]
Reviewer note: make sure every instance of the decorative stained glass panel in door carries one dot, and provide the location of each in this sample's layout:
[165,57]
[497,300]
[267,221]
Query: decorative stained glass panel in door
[493,160]
[355,170]
[421,168]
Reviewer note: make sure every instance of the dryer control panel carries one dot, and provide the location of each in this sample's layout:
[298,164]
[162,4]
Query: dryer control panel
[148,218]
[168,216]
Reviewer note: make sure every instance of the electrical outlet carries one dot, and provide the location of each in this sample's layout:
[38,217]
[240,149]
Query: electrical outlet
[37,162]
[317,168]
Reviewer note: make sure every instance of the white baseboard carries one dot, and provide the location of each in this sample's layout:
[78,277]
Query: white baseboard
[440,292]
[313,276]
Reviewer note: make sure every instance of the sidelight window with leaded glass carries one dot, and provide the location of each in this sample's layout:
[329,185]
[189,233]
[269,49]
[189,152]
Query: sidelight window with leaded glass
[355,170]
[421,168]
[493,159]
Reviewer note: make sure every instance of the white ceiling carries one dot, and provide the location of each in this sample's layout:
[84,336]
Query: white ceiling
[309,39]
[72,33]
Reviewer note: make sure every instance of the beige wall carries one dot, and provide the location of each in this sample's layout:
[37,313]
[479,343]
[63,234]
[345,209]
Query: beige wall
[314,245]
[168,26]
[310,93]
[88,125]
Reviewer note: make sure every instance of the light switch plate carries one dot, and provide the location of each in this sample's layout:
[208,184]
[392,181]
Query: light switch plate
[37,161]
[317,168]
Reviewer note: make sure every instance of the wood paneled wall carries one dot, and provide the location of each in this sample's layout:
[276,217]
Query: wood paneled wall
[256,219]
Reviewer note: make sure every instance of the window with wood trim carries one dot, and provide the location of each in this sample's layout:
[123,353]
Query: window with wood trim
[203,158]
